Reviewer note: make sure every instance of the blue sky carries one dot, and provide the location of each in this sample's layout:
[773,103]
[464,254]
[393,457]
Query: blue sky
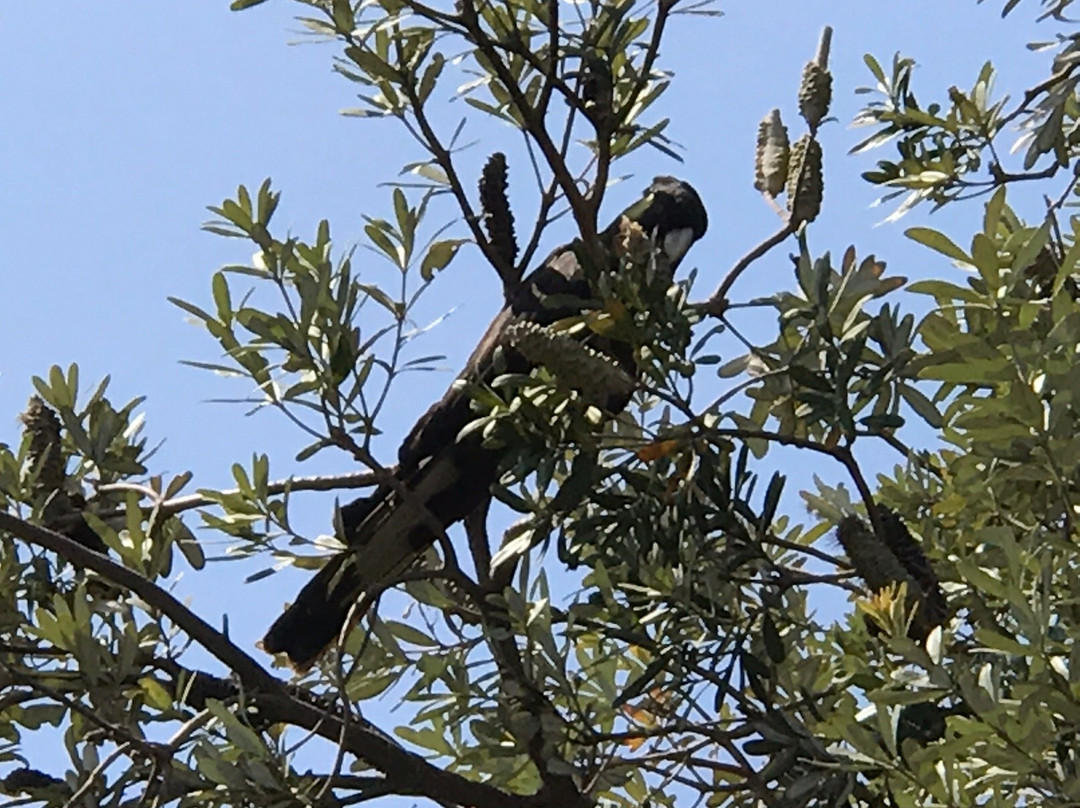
[122,121]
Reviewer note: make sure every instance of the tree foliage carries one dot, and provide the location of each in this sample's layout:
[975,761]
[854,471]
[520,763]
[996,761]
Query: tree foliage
[664,649]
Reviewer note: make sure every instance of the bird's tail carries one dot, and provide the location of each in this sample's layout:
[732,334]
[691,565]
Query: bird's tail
[315,619]
[386,532]
[318,615]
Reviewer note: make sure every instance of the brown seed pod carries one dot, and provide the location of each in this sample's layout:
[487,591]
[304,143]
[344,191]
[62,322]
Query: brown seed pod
[60,509]
[805,183]
[910,554]
[873,561]
[772,154]
[898,559]
[45,454]
[815,94]
[594,374]
[498,219]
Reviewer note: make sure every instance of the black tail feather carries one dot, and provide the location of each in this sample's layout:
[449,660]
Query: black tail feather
[315,620]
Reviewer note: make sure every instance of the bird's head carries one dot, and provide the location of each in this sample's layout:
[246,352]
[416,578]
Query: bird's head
[671,212]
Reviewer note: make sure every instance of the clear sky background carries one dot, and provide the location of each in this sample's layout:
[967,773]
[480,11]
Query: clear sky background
[121,121]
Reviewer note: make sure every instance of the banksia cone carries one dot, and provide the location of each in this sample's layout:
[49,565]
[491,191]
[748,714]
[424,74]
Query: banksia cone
[873,562]
[815,91]
[45,453]
[910,555]
[771,156]
[805,184]
[498,220]
[60,510]
[898,559]
[596,91]
[815,94]
[595,375]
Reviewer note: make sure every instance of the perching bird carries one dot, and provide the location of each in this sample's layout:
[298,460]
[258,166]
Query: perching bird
[446,478]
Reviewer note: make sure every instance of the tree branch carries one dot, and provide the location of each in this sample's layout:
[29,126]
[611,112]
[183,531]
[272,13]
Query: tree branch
[584,212]
[717,304]
[275,699]
[171,507]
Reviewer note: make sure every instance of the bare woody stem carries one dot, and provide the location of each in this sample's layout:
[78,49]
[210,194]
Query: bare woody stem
[171,507]
[717,304]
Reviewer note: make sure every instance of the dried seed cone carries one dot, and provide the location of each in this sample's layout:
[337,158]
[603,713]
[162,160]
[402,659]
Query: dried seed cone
[882,565]
[772,155]
[60,510]
[498,220]
[874,563]
[910,555]
[594,374]
[596,90]
[43,426]
[805,183]
[815,94]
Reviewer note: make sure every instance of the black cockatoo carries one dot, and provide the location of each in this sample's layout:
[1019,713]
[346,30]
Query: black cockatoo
[447,478]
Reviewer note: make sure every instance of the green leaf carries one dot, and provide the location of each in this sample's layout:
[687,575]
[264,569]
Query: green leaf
[922,405]
[516,543]
[985,256]
[1025,256]
[244,737]
[430,171]
[945,291]
[344,21]
[410,635]
[382,298]
[177,484]
[772,500]
[371,64]
[189,546]
[937,241]
[239,5]
[401,210]
[440,254]
[381,240]
[431,76]
[883,420]
[993,212]
[875,68]
[220,286]
[312,449]
[156,695]
[191,308]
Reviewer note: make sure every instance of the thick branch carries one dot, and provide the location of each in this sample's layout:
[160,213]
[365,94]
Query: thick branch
[275,699]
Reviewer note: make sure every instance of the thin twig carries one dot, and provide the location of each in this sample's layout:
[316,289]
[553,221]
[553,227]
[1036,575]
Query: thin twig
[171,507]
[91,778]
[717,304]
